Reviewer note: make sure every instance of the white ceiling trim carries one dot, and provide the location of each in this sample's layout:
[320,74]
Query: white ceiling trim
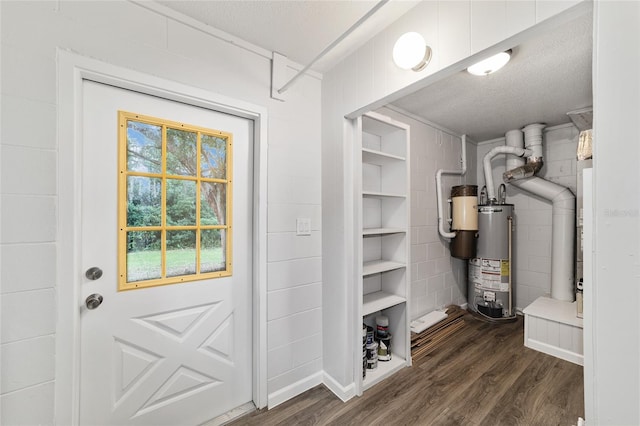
[219,34]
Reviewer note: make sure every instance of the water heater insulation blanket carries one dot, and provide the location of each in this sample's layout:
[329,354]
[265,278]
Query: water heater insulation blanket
[426,321]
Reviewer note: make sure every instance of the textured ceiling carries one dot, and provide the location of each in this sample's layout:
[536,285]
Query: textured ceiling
[547,77]
[298,29]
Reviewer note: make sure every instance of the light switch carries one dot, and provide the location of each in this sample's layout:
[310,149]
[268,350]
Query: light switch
[303,226]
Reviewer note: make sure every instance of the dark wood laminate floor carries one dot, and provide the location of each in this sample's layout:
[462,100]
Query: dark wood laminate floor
[482,376]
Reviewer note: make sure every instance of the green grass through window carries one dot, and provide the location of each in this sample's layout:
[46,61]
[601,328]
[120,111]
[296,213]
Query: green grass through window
[145,265]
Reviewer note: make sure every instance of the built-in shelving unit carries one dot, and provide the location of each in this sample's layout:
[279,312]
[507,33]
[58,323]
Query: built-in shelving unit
[382,238]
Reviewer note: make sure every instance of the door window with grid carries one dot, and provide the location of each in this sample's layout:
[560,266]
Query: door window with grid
[174,202]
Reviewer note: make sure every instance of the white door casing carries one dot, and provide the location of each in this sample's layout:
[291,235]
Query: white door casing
[73,70]
[169,354]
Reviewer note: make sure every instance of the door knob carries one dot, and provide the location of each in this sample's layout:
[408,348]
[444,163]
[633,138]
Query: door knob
[93,273]
[93,301]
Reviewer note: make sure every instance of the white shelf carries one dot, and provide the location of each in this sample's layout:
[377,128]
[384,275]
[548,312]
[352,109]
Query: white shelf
[374,302]
[377,266]
[383,231]
[379,158]
[385,369]
[382,194]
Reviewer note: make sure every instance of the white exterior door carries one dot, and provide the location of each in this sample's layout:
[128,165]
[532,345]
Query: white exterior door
[176,354]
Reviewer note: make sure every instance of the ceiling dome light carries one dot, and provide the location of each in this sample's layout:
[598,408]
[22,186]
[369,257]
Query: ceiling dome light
[491,64]
[411,52]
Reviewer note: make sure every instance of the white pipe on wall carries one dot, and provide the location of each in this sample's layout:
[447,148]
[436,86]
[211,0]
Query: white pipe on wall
[563,218]
[439,173]
[533,139]
[514,139]
[488,174]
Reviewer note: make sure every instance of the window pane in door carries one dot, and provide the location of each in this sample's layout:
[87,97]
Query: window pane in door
[143,255]
[174,202]
[181,202]
[213,158]
[213,247]
[213,203]
[144,197]
[144,147]
[181,253]
[182,151]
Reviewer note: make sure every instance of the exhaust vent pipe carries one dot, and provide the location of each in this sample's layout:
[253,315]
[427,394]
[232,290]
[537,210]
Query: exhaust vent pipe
[533,139]
[563,207]
[533,143]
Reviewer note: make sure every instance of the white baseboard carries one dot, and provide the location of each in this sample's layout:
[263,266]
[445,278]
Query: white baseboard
[295,389]
[342,392]
[464,306]
[555,351]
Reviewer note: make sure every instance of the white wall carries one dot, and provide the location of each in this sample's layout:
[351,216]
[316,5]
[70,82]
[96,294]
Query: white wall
[615,378]
[455,30]
[532,239]
[437,279]
[130,36]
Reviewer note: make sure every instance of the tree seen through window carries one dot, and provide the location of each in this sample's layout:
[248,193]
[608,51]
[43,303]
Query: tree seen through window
[175,184]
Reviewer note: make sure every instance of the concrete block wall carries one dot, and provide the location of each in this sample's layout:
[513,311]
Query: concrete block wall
[532,238]
[437,279]
[131,36]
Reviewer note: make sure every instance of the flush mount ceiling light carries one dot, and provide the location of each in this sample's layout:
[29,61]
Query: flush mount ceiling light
[491,64]
[411,52]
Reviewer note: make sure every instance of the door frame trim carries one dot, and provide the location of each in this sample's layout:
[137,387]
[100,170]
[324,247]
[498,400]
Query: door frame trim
[73,69]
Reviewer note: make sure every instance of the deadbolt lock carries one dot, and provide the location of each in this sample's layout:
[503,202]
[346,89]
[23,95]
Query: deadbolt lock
[93,273]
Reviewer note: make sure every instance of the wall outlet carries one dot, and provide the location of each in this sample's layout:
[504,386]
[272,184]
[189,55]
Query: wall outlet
[303,226]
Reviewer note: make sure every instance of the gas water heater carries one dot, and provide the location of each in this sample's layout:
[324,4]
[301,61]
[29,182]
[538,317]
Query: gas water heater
[489,285]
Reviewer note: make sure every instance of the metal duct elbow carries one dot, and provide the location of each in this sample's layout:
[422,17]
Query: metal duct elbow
[532,167]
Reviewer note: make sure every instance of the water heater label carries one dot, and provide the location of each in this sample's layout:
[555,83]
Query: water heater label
[491,266]
[489,274]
